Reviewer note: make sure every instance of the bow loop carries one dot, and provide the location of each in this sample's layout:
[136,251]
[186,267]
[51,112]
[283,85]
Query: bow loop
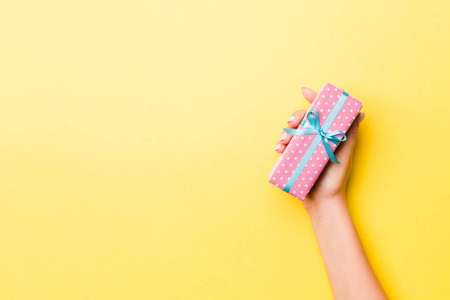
[314,119]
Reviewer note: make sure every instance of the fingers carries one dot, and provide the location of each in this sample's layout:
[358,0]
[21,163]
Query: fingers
[279,148]
[295,119]
[293,123]
[309,94]
[284,140]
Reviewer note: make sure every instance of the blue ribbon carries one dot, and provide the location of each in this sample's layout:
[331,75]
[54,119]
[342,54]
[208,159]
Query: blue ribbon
[316,129]
[321,135]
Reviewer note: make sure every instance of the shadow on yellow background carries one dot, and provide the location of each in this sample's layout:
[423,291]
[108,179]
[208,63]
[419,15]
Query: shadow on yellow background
[137,137]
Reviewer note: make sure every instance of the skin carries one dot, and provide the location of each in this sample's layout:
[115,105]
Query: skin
[349,271]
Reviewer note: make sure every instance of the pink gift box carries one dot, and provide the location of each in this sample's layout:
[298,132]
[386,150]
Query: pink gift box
[305,157]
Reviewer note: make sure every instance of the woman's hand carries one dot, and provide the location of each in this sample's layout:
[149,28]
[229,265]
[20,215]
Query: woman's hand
[349,271]
[331,184]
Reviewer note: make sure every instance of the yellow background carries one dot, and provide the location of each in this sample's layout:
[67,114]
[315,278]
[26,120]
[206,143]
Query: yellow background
[137,138]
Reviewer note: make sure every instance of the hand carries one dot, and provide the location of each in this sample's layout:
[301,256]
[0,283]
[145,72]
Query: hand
[349,271]
[331,184]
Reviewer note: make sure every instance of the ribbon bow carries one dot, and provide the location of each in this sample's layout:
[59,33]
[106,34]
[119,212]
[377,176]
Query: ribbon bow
[314,128]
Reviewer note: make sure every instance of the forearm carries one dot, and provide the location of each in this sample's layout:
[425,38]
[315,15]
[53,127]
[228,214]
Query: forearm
[349,271]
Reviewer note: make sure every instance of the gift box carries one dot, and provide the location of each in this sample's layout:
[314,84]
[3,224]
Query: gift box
[314,141]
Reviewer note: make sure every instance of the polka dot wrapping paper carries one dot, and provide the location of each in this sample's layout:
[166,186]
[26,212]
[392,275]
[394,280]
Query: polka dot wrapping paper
[293,157]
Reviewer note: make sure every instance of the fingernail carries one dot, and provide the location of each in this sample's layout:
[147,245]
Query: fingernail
[283,136]
[291,119]
[277,147]
[361,117]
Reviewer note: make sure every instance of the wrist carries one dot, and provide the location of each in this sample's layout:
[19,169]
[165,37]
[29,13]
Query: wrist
[316,206]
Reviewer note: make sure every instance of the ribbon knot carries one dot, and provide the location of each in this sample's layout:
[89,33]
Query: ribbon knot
[314,128]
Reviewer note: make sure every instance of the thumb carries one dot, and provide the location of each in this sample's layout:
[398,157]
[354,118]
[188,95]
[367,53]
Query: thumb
[353,131]
[345,149]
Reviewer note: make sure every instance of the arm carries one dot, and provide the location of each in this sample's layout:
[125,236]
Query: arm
[348,269]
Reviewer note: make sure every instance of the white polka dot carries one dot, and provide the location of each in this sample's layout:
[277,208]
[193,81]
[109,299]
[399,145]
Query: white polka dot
[295,158]
[310,178]
[339,117]
[285,172]
[342,124]
[351,110]
[303,178]
[274,178]
[356,103]
[320,165]
[334,124]
[349,124]
[300,151]
[297,145]
[346,117]
[278,171]
[307,172]
[281,178]
[292,151]
[287,158]
[306,184]
[309,137]
[317,158]
[302,138]
[331,96]
[304,145]
[324,117]
[298,185]
[283,165]
[315,172]
[335,90]
[329,110]
[294,192]
[313,165]
[334,103]
[290,165]
[321,110]
[348,103]
[276,184]
[326,103]
[301,192]
[343,110]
